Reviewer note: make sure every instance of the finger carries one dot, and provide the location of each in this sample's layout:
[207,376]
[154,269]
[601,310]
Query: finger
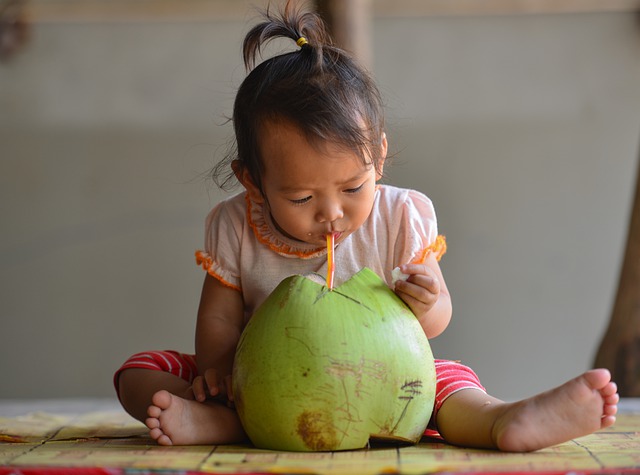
[413,269]
[227,382]
[212,381]
[414,305]
[426,282]
[418,287]
[230,399]
[416,297]
[198,389]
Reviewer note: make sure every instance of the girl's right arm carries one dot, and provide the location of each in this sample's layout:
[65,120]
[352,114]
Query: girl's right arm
[218,329]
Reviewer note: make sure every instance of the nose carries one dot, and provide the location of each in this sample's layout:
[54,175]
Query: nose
[329,211]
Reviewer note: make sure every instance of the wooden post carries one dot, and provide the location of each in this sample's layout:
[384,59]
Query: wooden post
[14,28]
[620,347]
[350,25]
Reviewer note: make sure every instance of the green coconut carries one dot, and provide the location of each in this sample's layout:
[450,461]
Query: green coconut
[324,370]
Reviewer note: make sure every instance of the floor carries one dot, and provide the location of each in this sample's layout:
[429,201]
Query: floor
[41,435]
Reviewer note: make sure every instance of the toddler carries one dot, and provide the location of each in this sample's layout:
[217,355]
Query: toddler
[310,150]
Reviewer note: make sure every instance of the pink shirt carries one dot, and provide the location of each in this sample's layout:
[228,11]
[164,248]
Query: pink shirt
[244,250]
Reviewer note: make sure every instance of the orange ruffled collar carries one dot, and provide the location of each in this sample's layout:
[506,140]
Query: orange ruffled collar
[266,232]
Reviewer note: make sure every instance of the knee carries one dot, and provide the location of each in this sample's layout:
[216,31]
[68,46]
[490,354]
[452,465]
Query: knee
[132,392]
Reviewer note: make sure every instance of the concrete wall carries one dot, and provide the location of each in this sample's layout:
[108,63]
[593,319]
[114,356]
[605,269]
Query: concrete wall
[524,131]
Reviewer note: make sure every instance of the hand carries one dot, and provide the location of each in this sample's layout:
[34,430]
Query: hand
[421,290]
[212,386]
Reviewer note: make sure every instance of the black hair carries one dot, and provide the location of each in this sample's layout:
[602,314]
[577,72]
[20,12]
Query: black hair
[318,87]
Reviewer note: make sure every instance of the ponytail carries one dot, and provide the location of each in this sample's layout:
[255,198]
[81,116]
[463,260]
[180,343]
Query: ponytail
[306,29]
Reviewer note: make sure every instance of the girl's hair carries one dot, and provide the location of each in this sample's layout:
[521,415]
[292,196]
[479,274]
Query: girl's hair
[318,87]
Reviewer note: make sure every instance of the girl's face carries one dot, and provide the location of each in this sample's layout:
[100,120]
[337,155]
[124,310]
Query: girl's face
[309,191]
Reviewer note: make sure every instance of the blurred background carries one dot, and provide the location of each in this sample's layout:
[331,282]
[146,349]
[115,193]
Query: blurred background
[521,122]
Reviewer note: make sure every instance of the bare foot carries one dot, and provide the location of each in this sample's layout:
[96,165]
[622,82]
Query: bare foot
[579,407]
[176,421]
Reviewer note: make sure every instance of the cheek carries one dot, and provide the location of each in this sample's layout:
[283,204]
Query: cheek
[290,217]
[364,207]
[363,213]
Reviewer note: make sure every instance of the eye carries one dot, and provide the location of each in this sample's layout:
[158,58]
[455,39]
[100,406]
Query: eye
[301,201]
[354,190]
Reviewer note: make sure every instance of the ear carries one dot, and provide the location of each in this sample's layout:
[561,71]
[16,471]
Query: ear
[244,177]
[384,147]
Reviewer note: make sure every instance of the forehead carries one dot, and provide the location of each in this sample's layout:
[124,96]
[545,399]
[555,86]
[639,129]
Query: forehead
[286,152]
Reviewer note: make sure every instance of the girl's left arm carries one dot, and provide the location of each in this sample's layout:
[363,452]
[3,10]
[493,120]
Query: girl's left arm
[426,293]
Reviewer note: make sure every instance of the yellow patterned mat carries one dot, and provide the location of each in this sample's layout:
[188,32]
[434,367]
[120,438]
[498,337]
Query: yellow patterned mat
[113,439]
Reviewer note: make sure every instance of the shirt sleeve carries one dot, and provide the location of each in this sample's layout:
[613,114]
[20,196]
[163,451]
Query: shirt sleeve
[221,255]
[418,233]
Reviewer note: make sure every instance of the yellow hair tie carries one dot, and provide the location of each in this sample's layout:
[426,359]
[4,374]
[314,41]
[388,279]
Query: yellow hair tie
[302,41]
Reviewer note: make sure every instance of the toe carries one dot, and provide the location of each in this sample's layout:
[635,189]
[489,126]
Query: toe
[609,410]
[152,423]
[164,440]
[162,399]
[156,433]
[154,411]
[607,421]
[597,378]
[609,390]
[612,400]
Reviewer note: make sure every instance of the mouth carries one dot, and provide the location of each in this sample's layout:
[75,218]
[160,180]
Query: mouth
[322,238]
[336,235]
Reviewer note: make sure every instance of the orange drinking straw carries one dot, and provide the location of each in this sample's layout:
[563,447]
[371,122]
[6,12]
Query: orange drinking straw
[331,265]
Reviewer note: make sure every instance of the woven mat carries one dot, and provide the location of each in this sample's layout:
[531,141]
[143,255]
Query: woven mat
[111,442]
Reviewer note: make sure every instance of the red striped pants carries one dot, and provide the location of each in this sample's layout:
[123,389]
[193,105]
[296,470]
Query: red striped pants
[451,376]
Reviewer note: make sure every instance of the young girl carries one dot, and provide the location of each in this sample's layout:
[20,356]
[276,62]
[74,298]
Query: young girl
[311,148]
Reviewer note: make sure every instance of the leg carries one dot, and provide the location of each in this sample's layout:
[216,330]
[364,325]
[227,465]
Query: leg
[579,407]
[155,388]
